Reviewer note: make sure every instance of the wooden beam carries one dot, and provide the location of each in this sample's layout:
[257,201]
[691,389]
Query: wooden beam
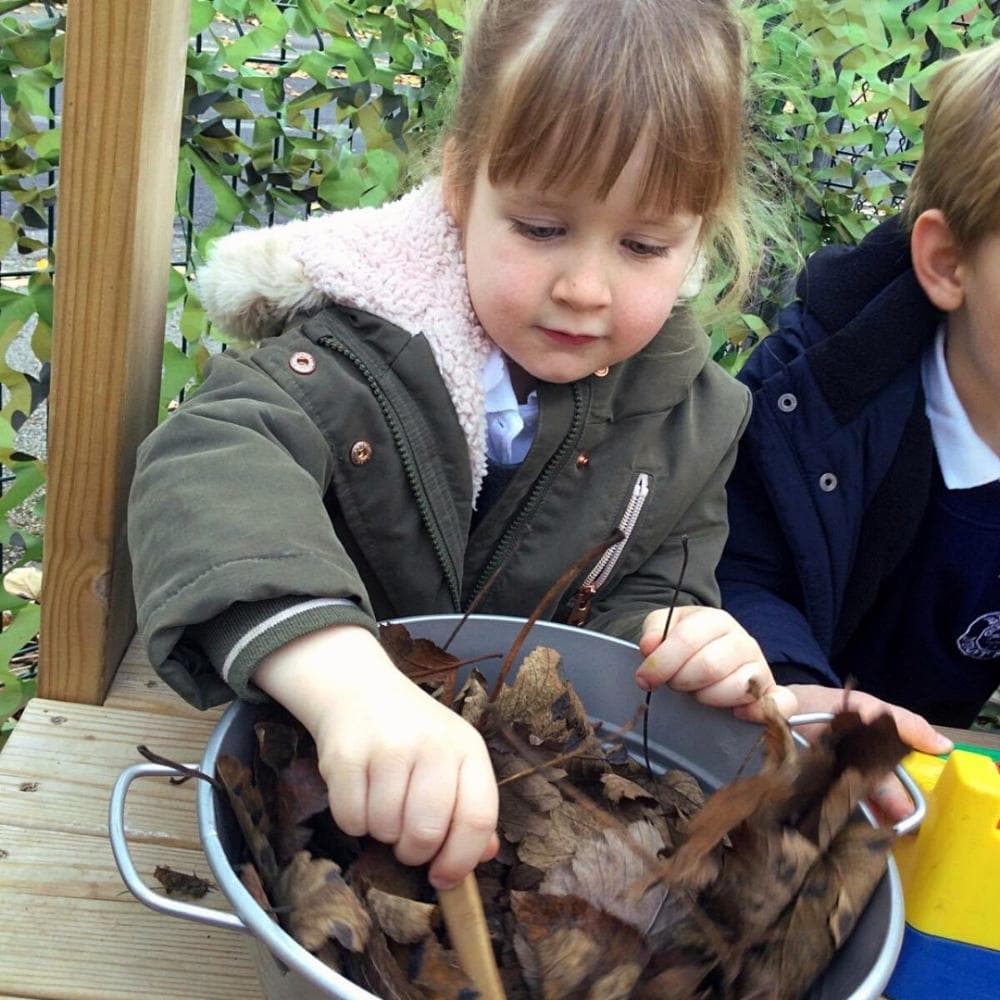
[124,85]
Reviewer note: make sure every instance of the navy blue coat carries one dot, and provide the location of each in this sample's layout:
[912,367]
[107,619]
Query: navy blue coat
[835,470]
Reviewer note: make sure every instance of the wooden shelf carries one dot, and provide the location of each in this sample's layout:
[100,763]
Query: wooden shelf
[69,930]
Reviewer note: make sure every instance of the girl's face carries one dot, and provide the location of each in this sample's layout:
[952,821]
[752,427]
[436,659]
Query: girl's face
[566,284]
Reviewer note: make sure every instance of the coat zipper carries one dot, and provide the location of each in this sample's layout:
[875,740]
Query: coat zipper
[409,466]
[604,566]
[534,497]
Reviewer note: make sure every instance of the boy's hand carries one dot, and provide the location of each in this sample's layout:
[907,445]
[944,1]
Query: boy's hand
[709,654]
[398,765]
[890,801]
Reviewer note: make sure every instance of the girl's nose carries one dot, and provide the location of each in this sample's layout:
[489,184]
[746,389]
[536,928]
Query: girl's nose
[582,284]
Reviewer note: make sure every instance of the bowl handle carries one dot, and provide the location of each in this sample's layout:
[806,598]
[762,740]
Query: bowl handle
[129,873]
[911,822]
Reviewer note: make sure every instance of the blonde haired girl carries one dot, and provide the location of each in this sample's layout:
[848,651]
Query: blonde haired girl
[496,370]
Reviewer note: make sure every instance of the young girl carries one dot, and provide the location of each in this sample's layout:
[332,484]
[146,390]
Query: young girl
[493,371]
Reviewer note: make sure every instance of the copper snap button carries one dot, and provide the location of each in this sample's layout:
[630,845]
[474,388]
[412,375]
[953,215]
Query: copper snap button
[582,460]
[361,452]
[601,372]
[302,362]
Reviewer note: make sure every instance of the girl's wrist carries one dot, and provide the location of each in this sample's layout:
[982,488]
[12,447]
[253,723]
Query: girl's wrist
[314,671]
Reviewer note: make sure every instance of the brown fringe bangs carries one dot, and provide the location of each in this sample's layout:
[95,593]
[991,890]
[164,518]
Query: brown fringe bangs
[572,123]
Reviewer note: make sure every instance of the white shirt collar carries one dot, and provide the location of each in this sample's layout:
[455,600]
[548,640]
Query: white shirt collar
[510,426]
[966,460]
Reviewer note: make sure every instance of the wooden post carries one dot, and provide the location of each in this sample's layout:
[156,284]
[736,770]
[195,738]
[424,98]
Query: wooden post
[124,85]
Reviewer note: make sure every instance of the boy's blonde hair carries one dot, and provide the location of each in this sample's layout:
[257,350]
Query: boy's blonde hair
[562,90]
[959,170]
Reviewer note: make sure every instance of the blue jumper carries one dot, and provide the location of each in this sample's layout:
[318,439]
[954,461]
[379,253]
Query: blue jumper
[832,495]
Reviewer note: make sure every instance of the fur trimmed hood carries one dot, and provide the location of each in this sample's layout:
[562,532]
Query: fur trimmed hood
[402,262]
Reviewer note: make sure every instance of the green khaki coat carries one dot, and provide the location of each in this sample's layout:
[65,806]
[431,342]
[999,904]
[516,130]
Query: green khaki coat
[330,463]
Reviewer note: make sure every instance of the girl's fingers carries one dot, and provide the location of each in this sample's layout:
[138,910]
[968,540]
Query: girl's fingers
[472,835]
[890,801]
[427,811]
[388,780]
[782,697]
[735,688]
[347,789]
[717,660]
[652,627]
[690,630]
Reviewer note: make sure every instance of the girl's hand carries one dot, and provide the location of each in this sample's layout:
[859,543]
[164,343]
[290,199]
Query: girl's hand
[890,800]
[709,654]
[398,765]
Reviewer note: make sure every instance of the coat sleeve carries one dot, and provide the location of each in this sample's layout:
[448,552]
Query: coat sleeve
[226,511]
[623,610]
[759,582]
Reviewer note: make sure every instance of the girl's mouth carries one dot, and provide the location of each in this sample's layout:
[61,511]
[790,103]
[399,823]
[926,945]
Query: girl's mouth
[566,339]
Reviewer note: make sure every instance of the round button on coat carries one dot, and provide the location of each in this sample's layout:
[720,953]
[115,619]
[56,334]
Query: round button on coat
[361,453]
[787,402]
[302,362]
[828,482]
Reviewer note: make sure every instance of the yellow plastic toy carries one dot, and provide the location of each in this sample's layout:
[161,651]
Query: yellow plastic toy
[950,867]
[950,870]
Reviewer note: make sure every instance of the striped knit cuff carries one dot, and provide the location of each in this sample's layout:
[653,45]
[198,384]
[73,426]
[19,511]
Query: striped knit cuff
[239,638]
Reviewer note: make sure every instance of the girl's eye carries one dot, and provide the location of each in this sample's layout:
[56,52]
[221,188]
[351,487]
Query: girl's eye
[536,232]
[645,249]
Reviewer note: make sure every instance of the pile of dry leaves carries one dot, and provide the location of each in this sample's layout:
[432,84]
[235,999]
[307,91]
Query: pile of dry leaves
[611,882]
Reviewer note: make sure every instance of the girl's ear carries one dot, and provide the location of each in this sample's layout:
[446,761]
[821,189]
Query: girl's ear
[451,188]
[937,260]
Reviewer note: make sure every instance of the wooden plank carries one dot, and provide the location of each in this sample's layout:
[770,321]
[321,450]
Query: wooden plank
[125,62]
[79,866]
[971,737]
[136,687]
[59,948]
[62,759]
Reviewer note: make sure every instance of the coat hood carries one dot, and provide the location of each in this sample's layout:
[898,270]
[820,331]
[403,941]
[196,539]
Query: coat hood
[402,262]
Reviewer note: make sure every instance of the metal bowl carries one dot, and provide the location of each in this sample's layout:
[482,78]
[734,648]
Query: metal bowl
[710,743]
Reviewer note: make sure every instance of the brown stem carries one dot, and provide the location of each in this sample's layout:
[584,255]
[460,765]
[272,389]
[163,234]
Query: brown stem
[183,770]
[478,599]
[550,595]
[437,671]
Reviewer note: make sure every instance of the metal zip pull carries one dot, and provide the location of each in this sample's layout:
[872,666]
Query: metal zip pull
[605,566]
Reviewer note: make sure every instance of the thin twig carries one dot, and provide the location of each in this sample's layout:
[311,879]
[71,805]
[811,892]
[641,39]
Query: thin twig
[666,629]
[576,754]
[183,770]
[483,591]
[550,595]
[420,675]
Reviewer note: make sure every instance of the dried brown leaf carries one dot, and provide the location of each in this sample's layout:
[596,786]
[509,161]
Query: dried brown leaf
[277,743]
[569,825]
[420,659]
[605,871]
[377,969]
[439,972]
[566,947]
[824,912]
[473,699]
[321,904]
[527,803]
[252,883]
[251,814]
[617,788]
[404,920]
[542,700]
[762,871]
[24,582]
[376,867]
[182,884]
[696,862]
